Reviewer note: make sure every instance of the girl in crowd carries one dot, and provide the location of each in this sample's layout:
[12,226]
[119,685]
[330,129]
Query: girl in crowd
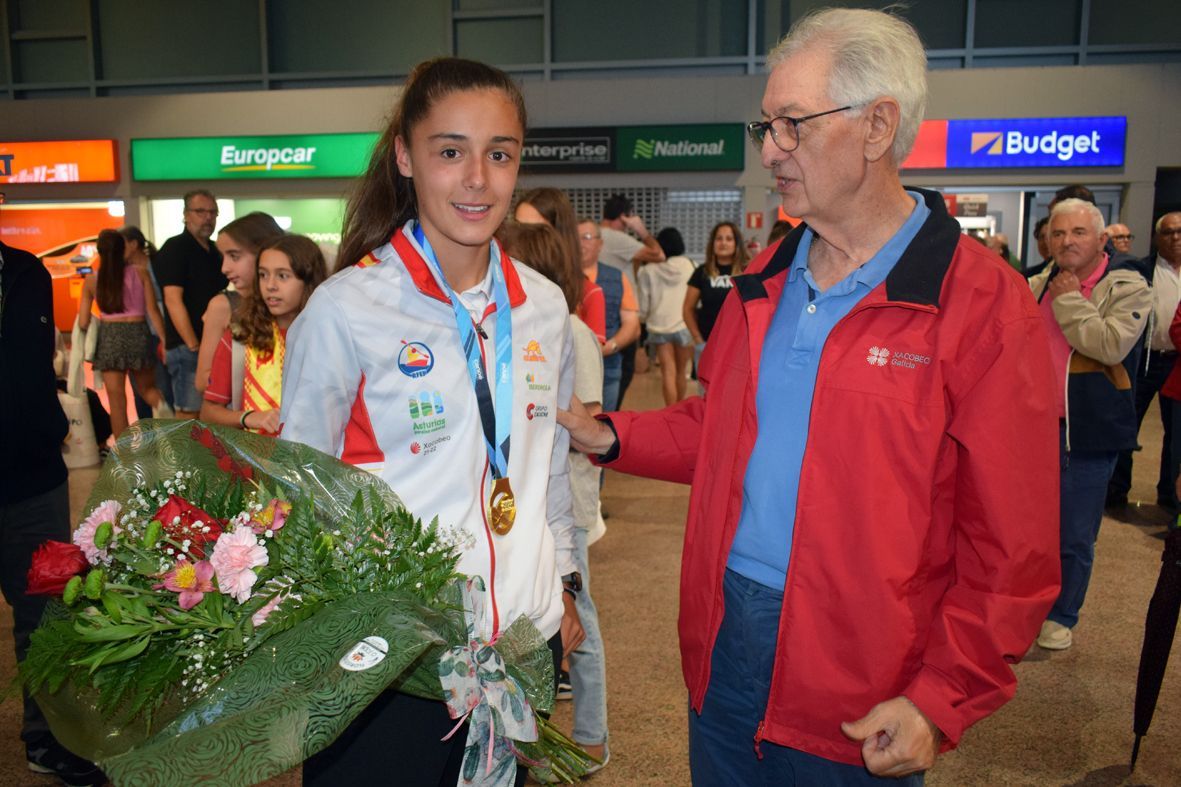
[287,272]
[419,359]
[540,247]
[125,297]
[725,256]
[239,242]
[138,252]
[662,287]
[551,206]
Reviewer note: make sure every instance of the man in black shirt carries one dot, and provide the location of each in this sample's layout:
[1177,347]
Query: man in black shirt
[34,491]
[188,268]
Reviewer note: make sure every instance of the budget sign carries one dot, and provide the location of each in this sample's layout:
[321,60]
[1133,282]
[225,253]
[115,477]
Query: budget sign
[1037,142]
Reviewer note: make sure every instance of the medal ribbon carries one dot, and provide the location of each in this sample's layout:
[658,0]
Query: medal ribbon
[496,430]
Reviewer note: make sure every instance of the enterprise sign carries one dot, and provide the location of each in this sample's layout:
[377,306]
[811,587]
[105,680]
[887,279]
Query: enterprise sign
[568,150]
[1016,143]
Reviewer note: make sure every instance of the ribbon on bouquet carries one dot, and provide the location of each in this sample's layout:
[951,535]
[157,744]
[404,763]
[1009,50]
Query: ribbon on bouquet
[478,689]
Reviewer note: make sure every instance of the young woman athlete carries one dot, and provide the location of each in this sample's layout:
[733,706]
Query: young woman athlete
[432,360]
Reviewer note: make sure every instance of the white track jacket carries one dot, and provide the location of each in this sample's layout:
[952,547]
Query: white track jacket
[375,375]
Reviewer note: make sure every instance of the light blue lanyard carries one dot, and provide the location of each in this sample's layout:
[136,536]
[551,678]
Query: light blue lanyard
[497,431]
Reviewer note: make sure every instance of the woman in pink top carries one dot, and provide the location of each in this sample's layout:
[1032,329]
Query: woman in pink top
[125,298]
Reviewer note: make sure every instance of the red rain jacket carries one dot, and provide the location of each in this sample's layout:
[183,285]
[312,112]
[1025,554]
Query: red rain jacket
[925,550]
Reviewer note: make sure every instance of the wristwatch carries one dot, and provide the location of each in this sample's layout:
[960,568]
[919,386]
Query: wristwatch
[572,583]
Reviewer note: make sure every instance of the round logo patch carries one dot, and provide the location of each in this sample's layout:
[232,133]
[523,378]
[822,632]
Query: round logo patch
[415,359]
[367,653]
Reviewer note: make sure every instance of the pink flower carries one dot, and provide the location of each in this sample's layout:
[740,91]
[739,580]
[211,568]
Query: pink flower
[273,517]
[191,580]
[260,617]
[106,511]
[235,556]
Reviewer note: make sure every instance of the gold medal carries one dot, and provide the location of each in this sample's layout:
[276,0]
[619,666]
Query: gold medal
[502,507]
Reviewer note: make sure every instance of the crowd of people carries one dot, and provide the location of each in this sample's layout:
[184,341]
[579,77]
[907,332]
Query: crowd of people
[863,559]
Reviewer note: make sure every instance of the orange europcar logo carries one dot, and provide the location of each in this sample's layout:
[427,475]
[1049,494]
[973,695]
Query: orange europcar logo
[987,139]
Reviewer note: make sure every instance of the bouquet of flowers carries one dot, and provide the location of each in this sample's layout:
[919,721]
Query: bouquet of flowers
[231,603]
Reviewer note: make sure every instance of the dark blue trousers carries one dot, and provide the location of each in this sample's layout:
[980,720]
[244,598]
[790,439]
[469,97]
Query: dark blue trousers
[721,739]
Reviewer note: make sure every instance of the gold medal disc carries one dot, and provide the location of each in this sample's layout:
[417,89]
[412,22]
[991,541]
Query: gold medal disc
[502,507]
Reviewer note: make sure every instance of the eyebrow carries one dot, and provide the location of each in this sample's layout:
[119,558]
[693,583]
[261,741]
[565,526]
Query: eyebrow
[465,138]
[784,111]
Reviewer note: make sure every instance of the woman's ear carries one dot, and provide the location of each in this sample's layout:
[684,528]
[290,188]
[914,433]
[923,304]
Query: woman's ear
[402,157]
[883,115]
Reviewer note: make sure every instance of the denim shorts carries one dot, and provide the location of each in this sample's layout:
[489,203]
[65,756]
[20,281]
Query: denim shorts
[182,368]
[681,338]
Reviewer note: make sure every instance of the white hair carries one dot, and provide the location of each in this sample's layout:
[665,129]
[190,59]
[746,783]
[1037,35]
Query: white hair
[1156,227]
[1072,205]
[874,55]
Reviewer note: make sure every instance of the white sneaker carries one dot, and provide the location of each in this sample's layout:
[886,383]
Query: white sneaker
[1054,636]
[162,410]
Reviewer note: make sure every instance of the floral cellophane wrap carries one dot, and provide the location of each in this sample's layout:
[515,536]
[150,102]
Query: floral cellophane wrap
[290,698]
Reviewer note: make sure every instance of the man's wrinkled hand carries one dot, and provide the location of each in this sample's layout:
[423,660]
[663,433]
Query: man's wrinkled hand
[587,433]
[1063,283]
[897,738]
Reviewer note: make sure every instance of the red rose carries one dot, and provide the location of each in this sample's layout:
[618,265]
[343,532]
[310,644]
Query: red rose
[54,564]
[183,520]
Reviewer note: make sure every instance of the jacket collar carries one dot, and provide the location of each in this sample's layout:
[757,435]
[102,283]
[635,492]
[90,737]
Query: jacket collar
[917,278]
[425,281]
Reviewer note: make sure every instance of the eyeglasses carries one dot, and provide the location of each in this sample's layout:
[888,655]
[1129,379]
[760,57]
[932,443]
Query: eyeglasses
[785,131]
[1174,233]
[588,236]
[1123,237]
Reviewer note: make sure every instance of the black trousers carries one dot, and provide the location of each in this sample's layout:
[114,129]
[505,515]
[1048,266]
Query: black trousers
[24,526]
[398,740]
[1148,385]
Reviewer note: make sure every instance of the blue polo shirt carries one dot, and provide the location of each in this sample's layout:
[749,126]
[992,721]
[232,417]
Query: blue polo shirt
[787,380]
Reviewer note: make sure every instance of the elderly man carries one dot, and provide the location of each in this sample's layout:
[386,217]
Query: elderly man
[1121,237]
[1164,277]
[864,560]
[1095,309]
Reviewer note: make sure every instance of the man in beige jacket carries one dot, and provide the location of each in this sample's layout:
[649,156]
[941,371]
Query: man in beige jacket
[1095,309]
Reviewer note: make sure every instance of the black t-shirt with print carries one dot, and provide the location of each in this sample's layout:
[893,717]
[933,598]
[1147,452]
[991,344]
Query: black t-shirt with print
[714,290]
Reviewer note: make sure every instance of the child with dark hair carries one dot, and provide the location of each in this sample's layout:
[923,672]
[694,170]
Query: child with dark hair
[289,269]
[240,242]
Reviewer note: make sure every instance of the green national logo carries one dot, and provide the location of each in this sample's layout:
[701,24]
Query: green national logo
[687,148]
[645,148]
[662,148]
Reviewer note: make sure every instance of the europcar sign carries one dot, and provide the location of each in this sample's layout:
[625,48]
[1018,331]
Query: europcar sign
[1017,143]
[257,157]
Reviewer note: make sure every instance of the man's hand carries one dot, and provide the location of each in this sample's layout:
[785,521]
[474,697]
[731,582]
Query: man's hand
[898,739]
[572,631]
[1063,283]
[587,434]
[634,223]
